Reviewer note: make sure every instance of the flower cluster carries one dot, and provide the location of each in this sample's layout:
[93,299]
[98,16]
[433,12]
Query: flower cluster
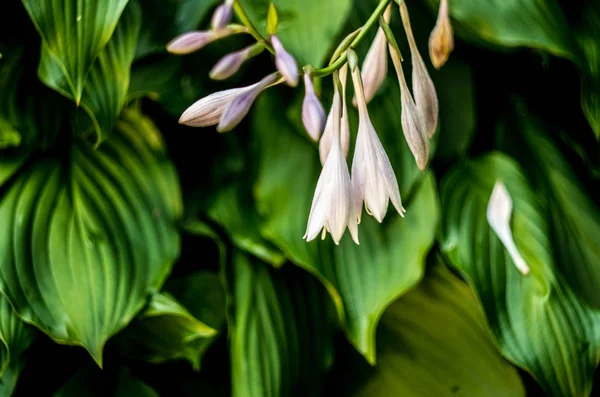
[339,195]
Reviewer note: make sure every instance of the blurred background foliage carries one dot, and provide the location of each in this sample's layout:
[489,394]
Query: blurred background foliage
[172,257]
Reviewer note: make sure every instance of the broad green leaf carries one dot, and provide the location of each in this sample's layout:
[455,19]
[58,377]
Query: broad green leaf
[536,319]
[307,28]
[167,330]
[362,279]
[74,33]
[434,342]
[588,37]
[234,210]
[94,383]
[108,80]
[574,216]
[89,233]
[514,23]
[281,335]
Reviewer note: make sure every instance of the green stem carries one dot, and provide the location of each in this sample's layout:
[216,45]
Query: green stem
[239,10]
[373,20]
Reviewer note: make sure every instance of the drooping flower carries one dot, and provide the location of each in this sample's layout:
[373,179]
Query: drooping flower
[423,88]
[222,15]
[211,109]
[441,40]
[413,125]
[285,63]
[313,114]
[499,212]
[231,63]
[327,137]
[332,206]
[193,41]
[374,67]
[373,178]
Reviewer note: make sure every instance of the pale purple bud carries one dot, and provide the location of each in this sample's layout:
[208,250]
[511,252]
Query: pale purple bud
[313,114]
[327,137]
[423,88]
[208,110]
[222,16]
[413,126]
[193,41]
[285,63]
[239,106]
[230,63]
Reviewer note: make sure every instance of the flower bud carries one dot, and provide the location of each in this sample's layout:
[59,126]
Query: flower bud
[285,63]
[222,16]
[208,110]
[193,41]
[313,114]
[231,63]
[441,40]
[239,106]
[327,137]
[423,88]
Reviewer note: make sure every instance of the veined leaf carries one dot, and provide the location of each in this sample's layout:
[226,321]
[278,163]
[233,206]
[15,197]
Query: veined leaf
[281,336]
[88,233]
[538,322]
[307,28]
[434,342]
[92,383]
[108,80]
[166,330]
[362,279]
[74,32]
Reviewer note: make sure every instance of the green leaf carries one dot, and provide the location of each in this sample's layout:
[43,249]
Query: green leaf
[93,383]
[281,336]
[536,319]
[307,28]
[514,23]
[166,330]
[108,80]
[74,33]
[434,342]
[362,280]
[89,233]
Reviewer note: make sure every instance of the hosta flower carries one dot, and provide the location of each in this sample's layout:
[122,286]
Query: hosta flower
[231,63]
[222,15]
[285,63]
[313,114]
[373,178]
[499,211]
[217,108]
[413,125]
[423,88]
[331,209]
[193,41]
[441,40]
[327,137]
[374,67]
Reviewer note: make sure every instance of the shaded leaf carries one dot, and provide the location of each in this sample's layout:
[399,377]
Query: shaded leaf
[281,336]
[434,342]
[74,34]
[89,233]
[108,80]
[307,28]
[363,279]
[92,383]
[537,320]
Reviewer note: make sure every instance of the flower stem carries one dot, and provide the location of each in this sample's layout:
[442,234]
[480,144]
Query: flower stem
[239,10]
[373,20]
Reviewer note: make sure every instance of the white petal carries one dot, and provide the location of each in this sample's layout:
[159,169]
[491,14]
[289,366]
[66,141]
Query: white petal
[498,214]
[208,110]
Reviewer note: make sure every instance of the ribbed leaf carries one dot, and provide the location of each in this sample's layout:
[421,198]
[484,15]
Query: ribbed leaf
[307,28]
[166,330]
[434,342]
[108,80]
[362,279]
[93,383]
[281,336]
[514,23]
[74,32]
[88,233]
[537,320]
